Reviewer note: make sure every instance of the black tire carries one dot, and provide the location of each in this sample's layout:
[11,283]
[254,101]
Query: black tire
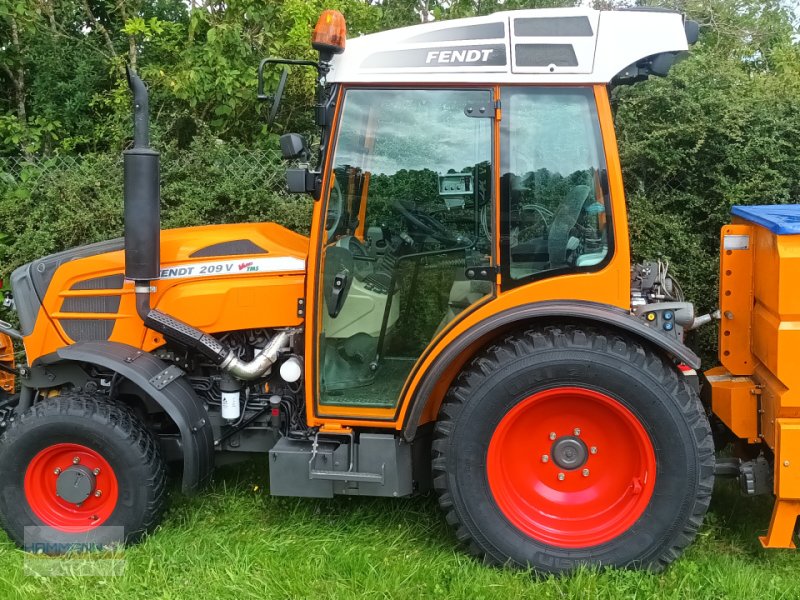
[637,377]
[112,432]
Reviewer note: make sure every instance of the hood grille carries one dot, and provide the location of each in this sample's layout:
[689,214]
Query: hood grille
[85,330]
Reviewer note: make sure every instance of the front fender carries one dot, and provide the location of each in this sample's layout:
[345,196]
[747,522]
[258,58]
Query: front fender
[175,396]
[490,328]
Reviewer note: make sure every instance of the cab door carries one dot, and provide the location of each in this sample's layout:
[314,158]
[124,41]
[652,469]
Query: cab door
[405,239]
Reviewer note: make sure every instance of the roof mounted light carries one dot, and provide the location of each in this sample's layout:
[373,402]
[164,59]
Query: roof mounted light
[329,34]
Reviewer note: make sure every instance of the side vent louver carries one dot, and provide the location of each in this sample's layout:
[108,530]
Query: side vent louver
[103,303]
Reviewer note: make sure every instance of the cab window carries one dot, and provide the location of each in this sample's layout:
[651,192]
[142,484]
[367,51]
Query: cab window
[555,210]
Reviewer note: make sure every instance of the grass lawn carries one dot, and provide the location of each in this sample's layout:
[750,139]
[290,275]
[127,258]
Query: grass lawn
[235,541]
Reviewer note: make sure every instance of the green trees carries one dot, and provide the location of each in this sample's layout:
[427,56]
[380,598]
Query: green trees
[62,85]
[722,129]
[62,62]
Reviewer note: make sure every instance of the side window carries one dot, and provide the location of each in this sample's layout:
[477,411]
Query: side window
[554,190]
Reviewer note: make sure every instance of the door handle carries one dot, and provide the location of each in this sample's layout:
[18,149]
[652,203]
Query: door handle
[338,292]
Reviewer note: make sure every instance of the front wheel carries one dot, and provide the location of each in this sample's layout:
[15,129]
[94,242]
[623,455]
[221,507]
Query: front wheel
[562,447]
[77,472]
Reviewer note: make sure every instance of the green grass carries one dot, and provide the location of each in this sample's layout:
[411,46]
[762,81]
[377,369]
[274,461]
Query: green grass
[235,541]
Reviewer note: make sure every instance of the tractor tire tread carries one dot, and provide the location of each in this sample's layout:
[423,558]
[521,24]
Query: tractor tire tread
[540,338]
[128,427]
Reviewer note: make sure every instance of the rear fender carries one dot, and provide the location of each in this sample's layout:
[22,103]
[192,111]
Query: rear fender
[518,318]
[169,390]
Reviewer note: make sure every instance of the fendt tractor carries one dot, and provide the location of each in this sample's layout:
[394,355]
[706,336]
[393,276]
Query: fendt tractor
[463,317]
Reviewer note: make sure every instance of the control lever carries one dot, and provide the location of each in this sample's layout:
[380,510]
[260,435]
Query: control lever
[338,293]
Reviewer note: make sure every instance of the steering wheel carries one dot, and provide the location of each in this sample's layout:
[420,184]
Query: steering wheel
[422,221]
[335,209]
[564,219]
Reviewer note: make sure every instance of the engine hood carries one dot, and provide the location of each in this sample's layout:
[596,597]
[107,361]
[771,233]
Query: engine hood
[180,248]
[215,277]
[218,250]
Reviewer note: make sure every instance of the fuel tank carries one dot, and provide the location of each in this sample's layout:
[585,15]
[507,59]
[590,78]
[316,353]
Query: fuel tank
[215,277]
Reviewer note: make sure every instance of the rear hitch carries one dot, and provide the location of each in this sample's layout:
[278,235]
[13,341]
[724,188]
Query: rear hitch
[755,476]
[8,406]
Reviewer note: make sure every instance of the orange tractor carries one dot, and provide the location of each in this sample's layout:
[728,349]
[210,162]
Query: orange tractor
[463,317]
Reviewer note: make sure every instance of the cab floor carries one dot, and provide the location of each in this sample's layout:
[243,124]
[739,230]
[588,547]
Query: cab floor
[382,392]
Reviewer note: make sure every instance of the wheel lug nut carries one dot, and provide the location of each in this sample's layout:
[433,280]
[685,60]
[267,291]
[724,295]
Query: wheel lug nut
[577,431]
[593,449]
[57,471]
[98,493]
[96,471]
[545,458]
[552,435]
[76,460]
[561,477]
[585,472]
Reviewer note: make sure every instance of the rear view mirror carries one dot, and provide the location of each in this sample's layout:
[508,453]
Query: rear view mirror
[293,145]
[301,181]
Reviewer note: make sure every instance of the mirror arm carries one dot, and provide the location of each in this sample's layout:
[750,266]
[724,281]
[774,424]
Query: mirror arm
[280,61]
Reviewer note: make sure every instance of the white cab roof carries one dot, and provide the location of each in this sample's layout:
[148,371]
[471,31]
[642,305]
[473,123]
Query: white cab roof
[558,45]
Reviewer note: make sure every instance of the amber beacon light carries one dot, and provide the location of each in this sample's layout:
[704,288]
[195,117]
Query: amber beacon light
[329,34]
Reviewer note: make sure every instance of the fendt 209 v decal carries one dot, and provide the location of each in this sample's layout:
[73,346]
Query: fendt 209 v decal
[273,264]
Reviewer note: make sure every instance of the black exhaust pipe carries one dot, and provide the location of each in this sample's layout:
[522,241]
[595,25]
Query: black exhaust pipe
[142,193]
[143,229]
[143,256]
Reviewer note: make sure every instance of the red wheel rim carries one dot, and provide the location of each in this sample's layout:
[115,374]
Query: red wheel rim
[577,504]
[42,476]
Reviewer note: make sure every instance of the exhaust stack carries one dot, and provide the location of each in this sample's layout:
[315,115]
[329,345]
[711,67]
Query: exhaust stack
[143,259]
[142,193]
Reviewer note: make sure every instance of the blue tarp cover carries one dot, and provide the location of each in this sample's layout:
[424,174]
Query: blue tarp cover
[783,219]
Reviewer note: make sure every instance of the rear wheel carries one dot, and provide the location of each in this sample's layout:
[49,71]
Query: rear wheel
[79,472]
[563,447]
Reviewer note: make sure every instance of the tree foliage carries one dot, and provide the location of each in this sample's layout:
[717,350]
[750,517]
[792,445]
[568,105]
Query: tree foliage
[722,129]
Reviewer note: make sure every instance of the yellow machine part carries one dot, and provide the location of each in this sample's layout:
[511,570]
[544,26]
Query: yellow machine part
[735,401]
[6,359]
[756,391]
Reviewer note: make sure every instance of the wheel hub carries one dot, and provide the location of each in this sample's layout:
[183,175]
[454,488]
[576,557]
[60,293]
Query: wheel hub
[569,452]
[75,484]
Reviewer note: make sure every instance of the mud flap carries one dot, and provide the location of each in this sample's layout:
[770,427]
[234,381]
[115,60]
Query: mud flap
[169,389]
